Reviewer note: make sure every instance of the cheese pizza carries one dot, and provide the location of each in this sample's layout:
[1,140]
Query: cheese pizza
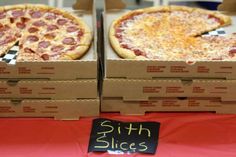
[171,33]
[43,33]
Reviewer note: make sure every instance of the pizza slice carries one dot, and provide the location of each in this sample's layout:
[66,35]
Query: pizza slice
[8,35]
[195,21]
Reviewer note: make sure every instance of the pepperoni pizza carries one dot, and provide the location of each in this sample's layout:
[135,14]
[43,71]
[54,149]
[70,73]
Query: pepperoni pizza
[43,33]
[171,33]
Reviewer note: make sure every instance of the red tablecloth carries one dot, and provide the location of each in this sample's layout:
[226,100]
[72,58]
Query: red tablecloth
[181,135]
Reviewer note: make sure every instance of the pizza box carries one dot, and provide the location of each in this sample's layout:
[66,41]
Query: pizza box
[86,67]
[116,67]
[134,89]
[168,105]
[57,109]
[73,89]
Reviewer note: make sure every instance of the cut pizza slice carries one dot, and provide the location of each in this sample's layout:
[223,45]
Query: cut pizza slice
[219,47]
[7,37]
[195,21]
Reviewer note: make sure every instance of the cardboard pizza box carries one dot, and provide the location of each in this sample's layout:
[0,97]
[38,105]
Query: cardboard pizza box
[86,67]
[134,89]
[168,105]
[116,67]
[228,6]
[73,89]
[57,109]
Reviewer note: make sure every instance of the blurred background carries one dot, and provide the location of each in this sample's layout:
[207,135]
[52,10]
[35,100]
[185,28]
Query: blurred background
[132,4]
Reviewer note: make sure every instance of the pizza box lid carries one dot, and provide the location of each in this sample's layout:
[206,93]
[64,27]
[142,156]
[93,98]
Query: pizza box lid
[86,67]
[116,67]
[227,6]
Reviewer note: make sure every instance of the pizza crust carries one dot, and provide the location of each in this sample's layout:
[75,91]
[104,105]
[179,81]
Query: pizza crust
[112,29]
[11,7]
[2,9]
[226,19]
[124,53]
[156,9]
[181,8]
[77,53]
[38,7]
[86,39]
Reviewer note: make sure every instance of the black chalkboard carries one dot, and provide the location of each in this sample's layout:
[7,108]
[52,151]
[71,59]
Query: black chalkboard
[123,137]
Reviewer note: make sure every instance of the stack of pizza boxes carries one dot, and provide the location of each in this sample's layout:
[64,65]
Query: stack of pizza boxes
[58,89]
[140,86]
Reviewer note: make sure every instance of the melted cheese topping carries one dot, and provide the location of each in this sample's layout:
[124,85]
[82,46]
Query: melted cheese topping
[170,36]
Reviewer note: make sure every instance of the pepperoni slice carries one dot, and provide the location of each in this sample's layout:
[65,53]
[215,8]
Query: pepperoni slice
[20,25]
[80,33]
[1,34]
[2,15]
[17,13]
[9,39]
[50,36]
[32,38]
[72,29]
[18,35]
[50,16]
[216,19]
[118,33]
[43,44]
[61,21]
[73,47]
[28,50]
[45,56]
[125,46]
[139,53]
[52,27]
[119,30]
[57,48]
[69,41]
[39,23]
[119,36]
[2,42]
[35,14]
[33,30]
[4,28]
[232,52]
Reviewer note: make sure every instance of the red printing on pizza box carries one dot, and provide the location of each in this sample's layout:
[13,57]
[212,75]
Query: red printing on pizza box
[116,67]
[57,109]
[134,89]
[168,105]
[74,89]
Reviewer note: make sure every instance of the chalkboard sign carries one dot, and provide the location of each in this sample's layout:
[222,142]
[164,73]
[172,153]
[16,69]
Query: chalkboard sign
[123,137]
